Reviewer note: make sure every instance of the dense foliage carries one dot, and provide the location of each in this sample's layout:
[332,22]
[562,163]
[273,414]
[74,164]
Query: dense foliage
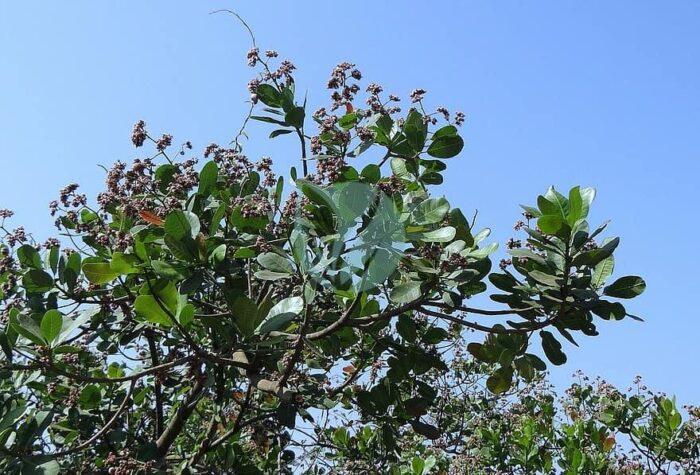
[218,320]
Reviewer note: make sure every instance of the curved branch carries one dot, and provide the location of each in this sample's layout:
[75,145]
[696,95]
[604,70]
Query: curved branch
[99,379]
[483,328]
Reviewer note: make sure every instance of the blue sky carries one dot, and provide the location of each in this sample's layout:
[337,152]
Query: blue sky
[597,93]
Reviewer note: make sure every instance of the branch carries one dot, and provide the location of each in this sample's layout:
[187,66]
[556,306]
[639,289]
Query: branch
[99,379]
[177,422]
[484,328]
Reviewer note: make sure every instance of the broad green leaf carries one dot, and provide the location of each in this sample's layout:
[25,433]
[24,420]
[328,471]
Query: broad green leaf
[552,348]
[501,380]
[28,328]
[448,130]
[270,275]
[275,263]
[207,179]
[51,325]
[295,117]
[280,315]
[99,272]
[415,130]
[398,167]
[602,271]
[406,328]
[316,194]
[544,278]
[124,263]
[406,292]
[371,173]
[445,234]
[609,310]
[268,95]
[348,121]
[446,146]
[218,254]
[430,211]
[28,256]
[90,397]
[148,307]
[595,256]
[180,224]
[550,223]
[626,287]
[168,270]
[37,281]
[245,314]
[575,206]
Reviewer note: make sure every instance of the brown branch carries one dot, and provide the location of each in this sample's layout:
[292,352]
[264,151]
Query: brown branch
[177,422]
[156,386]
[483,328]
[99,379]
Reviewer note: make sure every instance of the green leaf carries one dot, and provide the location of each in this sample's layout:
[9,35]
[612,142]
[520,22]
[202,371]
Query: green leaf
[180,224]
[626,287]
[207,179]
[550,224]
[316,194]
[168,270]
[123,264]
[51,325]
[446,146]
[501,380]
[270,275]
[99,272]
[371,173]
[275,263]
[348,121]
[435,335]
[164,175]
[90,397]
[161,305]
[602,271]
[552,348]
[430,211]
[245,314]
[446,131]
[37,281]
[445,234]
[406,292]
[27,327]
[406,328]
[148,307]
[295,117]
[544,278]
[609,310]
[398,167]
[415,130]
[575,206]
[218,254]
[593,257]
[269,95]
[278,132]
[28,256]
[280,315]
[269,120]
[184,250]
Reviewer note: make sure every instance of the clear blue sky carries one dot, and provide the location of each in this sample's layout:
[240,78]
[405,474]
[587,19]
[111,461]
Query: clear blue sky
[597,93]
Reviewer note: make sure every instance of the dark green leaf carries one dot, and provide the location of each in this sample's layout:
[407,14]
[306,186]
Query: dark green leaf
[446,146]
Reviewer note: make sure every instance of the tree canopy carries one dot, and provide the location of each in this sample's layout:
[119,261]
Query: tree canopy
[211,316]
